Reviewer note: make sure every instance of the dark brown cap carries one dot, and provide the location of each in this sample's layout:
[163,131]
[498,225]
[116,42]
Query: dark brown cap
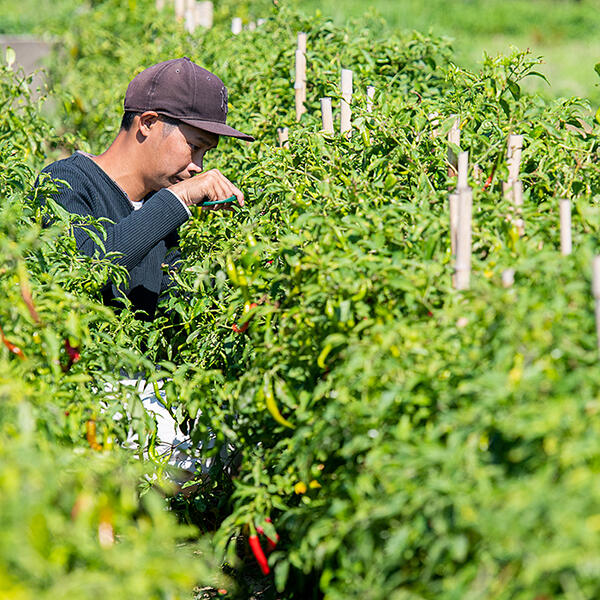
[182,90]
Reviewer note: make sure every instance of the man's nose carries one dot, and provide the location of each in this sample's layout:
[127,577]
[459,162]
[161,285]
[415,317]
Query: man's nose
[197,163]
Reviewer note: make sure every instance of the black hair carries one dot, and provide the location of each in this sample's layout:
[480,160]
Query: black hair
[129,116]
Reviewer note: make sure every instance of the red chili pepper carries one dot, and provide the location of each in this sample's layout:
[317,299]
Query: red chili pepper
[271,543]
[14,349]
[259,555]
[72,351]
[241,329]
[488,181]
[26,295]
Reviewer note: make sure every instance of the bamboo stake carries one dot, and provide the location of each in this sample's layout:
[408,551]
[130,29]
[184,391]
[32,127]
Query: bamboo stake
[566,243]
[327,115]
[453,138]
[236,25]
[596,292]
[462,266]
[346,111]
[283,137]
[205,14]
[300,84]
[370,98]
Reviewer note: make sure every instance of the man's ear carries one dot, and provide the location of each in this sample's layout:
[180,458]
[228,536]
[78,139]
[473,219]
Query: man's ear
[147,121]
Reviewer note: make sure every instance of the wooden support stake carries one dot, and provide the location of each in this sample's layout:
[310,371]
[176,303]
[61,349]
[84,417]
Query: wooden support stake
[370,98]
[300,83]
[327,115]
[518,202]
[302,38]
[463,171]
[453,201]
[180,9]
[462,265]
[513,156]
[566,243]
[508,277]
[236,25]
[596,293]
[453,138]
[190,16]
[283,137]
[346,111]
[205,14]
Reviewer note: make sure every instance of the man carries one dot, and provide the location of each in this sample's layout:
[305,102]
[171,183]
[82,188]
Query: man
[145,182]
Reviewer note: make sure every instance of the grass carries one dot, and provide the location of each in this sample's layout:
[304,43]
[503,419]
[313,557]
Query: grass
[563,32]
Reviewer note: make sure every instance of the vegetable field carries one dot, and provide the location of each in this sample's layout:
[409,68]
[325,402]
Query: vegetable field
[396,437]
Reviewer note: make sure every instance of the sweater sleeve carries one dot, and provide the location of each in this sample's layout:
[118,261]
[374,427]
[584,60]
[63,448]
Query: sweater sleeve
[132,236]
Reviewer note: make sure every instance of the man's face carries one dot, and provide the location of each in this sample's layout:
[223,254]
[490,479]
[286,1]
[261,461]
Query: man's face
[177,152]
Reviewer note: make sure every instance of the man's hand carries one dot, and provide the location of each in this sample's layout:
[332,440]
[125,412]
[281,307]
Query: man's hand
[208,186]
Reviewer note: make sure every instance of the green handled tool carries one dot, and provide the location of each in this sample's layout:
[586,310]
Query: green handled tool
[215,202]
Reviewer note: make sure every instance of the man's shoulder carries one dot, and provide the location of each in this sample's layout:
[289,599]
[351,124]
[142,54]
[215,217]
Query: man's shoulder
[71,165]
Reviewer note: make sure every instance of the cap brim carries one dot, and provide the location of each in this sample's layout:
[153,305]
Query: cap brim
[218,128]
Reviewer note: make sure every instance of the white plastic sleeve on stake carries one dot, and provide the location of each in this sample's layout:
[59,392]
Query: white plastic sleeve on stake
[462,274]
[370,98]
[260,22]
[283,137]
[453,138]
[205,14]
[302,37]
[463,171]
[513,156]
[327,115]
[236,25]
[300,83]
[434,122]
[596,293]
[160,5]
[566,243]
[453,209]
[346,111]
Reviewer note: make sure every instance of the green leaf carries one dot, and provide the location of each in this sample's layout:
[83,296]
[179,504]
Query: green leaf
[597,68]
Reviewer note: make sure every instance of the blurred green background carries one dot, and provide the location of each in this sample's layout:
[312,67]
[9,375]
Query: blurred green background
[566,33]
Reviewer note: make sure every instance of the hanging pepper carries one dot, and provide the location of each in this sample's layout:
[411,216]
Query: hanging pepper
[257,550]
[73,354]
[90,434]
[14,349]
[271,543]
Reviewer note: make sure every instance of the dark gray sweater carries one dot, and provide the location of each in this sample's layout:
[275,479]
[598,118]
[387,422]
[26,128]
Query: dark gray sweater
[145,238]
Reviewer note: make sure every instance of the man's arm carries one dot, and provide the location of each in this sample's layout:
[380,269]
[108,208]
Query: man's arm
[133,235]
